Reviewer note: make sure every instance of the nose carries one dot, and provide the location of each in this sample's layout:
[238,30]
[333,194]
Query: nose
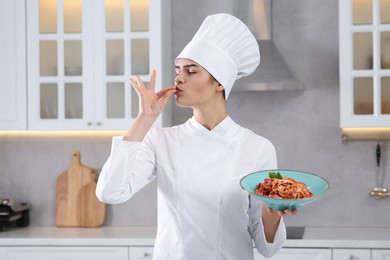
[179,79]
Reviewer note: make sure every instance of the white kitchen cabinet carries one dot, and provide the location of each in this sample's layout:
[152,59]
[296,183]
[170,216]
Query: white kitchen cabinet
[141,253]
[64,253]
[299,254]
[351,254]
[378,254]
[12,65]
[81,54]
[364,63]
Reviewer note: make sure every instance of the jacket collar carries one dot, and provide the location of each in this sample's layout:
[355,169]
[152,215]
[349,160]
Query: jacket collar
[225,127]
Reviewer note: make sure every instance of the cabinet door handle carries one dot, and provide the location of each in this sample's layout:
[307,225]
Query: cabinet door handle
[351,257]
[89,123]
[99,123]
[148,255]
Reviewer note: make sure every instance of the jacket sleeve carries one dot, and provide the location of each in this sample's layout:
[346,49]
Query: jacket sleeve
[256,229]
[129,168]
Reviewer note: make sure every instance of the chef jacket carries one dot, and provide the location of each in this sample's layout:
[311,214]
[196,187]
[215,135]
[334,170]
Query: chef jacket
[203,213]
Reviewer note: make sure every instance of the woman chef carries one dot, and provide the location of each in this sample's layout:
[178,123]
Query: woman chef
[202,211]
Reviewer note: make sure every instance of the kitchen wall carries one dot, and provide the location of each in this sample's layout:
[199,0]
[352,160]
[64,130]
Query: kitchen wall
[303,126]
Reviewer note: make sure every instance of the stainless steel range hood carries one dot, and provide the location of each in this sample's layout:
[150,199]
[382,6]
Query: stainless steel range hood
[273,72]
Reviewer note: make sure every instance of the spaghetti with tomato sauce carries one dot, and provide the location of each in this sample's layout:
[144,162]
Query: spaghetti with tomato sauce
[285,188]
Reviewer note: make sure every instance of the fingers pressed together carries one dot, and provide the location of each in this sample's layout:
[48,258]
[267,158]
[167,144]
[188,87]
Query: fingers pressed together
[282,212]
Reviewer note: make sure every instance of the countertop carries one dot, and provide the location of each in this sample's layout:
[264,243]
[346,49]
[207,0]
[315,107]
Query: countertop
[336,237]
[317,237]
[67,236]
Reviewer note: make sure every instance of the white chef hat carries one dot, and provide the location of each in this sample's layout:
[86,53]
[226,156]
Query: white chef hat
[225,47]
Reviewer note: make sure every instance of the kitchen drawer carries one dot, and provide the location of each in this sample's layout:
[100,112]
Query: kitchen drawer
[378,254]
[64,253]
[141,253]
[351,254]
[299,254]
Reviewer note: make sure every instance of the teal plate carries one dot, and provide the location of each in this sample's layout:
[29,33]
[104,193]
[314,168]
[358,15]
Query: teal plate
[316,184]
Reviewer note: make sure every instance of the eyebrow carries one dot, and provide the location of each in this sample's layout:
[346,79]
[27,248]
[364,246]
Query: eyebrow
[187,66]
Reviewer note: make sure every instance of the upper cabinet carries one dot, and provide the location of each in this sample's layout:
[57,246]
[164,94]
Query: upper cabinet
[12,65]
[364,63]
[81,54]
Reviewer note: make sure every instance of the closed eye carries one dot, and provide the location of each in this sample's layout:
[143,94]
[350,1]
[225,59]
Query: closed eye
[189,68]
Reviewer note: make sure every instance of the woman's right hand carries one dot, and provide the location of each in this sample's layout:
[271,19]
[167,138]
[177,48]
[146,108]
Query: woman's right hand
[151,104]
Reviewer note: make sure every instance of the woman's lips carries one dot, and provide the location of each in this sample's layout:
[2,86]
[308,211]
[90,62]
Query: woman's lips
[178,90]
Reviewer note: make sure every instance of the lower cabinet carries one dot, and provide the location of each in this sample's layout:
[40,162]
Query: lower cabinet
[64,253]
[141,253]
[146,253]
[378,254]
[351,254]
[76,253]
[299,254]
[328,254]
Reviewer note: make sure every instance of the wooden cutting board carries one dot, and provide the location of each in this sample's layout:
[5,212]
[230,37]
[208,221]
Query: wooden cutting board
[76,202]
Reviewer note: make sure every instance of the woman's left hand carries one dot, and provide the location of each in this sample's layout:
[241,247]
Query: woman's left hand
[281,212]
[271,219]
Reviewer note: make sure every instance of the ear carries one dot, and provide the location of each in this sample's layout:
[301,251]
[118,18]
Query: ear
[220,87]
